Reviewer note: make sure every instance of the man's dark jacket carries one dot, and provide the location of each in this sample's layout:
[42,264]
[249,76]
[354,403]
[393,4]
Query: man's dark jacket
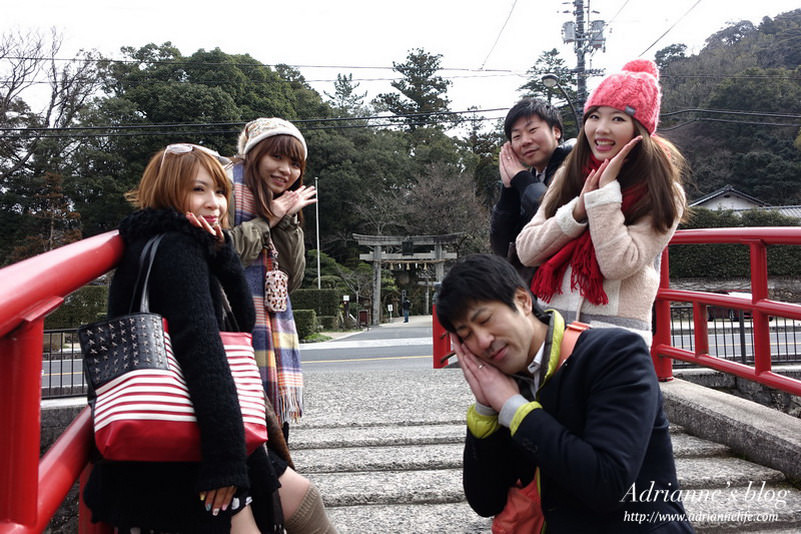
[518,204]
[600,440]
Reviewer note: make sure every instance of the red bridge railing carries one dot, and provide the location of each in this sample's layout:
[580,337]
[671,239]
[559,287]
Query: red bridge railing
[32,489]
[761,308]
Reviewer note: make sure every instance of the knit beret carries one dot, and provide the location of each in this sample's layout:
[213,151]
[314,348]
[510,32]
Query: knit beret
[262,128]
[634,91]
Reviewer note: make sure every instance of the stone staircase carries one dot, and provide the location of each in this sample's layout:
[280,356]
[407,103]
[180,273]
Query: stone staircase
[385,451]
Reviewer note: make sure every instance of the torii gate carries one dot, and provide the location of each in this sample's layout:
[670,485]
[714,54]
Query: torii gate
[407,244]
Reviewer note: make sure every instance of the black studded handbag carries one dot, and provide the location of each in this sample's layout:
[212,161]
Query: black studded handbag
[141,407]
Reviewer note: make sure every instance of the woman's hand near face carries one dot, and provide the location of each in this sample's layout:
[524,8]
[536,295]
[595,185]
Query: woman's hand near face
[291,202]
[590,184]
[611,168]
[202,223]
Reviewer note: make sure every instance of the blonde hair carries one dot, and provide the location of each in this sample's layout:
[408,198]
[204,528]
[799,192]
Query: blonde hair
[169,177]
[655,161]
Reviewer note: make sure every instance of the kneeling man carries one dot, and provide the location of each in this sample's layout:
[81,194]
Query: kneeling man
[590,426]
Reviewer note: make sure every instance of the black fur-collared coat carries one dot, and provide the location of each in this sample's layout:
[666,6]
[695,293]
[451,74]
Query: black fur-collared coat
[189,269]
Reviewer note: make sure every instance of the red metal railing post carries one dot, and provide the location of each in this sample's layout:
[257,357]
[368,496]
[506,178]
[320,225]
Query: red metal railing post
[441,341]
[759,291]
[700,328]
[662,365]
[20,421]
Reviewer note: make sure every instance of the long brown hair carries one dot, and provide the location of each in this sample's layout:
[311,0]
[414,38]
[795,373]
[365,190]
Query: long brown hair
[285,145]
[168,179]
[654,160]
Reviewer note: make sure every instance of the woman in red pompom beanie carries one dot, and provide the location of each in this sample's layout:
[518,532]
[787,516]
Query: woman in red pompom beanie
[612,208]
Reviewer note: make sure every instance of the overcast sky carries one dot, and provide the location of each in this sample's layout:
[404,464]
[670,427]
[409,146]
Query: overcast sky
[350,35]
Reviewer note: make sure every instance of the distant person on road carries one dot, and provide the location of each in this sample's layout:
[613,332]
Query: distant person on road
[588,428]
[406,305]
[269,196]
[533,152]
[598,236]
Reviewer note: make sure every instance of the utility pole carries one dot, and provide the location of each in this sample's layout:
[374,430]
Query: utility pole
[581,79]
[587,36]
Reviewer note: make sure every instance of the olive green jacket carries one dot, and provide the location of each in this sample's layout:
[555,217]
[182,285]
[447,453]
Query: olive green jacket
[251,237]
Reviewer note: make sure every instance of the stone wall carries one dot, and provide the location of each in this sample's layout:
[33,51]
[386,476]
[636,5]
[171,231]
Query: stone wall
[748,389]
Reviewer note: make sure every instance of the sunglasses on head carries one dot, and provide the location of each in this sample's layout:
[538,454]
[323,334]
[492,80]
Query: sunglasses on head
[183,148]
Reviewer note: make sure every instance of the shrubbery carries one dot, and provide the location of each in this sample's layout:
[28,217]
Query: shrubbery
[306,323]
[323,301]
[86,305]
[732,261]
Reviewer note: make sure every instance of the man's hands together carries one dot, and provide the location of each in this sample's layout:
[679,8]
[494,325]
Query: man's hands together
[489,385]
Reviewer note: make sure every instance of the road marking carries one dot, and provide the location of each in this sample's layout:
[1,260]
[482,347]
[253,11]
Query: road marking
[366,343]
[307,362]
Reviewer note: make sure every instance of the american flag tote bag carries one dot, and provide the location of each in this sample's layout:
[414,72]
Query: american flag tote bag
[141,407]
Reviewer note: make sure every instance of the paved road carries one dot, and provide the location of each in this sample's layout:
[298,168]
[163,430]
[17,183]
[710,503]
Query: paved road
[395,345]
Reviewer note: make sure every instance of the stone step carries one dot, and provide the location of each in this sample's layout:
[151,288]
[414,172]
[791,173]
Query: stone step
[423,484]
[409,519]
[722,472]
[309,438]
[371,436]
[774,508]
[416,456]
[717,514]
[392,494]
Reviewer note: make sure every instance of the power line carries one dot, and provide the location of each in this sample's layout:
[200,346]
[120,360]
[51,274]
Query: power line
[386,122]
[308,123]
[733,112]
[745,123]
[618,12]
[669,29]
[237,82]
[239,124]
[198,133]
[499,35]
[193,63]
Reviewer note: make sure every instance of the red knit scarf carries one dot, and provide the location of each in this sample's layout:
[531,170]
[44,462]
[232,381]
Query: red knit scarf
[580,255]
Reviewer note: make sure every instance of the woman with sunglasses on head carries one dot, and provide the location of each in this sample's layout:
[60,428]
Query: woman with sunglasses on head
[613,206]
[183,195]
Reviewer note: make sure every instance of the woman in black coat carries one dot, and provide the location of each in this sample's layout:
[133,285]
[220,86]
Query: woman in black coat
[184,194]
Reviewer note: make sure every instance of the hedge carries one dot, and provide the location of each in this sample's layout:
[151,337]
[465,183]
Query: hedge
[732,261]
[323,301]
[329,322]
[306,323]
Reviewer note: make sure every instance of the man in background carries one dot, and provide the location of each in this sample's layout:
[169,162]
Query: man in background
[527,163]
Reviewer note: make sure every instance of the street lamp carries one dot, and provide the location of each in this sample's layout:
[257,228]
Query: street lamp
[552,80]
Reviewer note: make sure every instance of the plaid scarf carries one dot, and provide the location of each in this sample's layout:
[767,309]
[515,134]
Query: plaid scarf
[579,254]
[275,337]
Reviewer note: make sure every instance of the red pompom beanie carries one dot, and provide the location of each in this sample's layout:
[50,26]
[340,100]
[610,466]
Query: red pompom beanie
[635,91]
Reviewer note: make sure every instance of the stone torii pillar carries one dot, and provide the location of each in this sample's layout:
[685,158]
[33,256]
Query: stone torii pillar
[376,284]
